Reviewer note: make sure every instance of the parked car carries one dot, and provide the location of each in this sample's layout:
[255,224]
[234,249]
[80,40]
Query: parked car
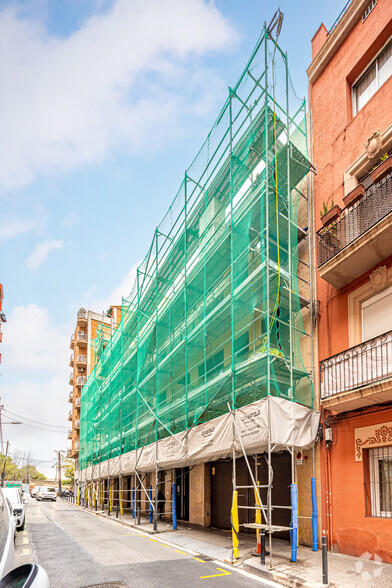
[34,491]
[65,493]
[7,535]
[45,493]
[17,503]
[26,576]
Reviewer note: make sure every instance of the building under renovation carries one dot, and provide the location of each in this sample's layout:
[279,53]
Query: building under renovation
[207,381]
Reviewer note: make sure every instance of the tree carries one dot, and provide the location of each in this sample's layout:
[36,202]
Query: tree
[15,471]
[69,471]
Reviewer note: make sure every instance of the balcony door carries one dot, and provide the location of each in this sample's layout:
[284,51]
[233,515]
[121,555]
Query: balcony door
[376,350]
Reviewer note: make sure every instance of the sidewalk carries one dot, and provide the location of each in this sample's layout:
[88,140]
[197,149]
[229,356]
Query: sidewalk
[343,570]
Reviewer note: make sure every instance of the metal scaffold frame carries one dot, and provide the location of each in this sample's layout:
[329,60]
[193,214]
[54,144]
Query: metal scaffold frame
[222,307]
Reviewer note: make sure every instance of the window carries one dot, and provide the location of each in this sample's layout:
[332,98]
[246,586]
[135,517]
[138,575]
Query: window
[213,365]
[378,489]
[373,78]
[377,315]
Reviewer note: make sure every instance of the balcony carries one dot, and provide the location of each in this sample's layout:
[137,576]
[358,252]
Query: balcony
[69,433]
[80,381]
[69,453]
[70,397]
[81,360]
[70,415]
[77,424]
[71,360]
[71,378]
[359,239]
[82,317]
[360,376]
[81,339]
[76,451]
[71,344]
[77,403]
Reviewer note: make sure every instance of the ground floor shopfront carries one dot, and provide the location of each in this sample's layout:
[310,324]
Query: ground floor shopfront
[204,492]
[356,483]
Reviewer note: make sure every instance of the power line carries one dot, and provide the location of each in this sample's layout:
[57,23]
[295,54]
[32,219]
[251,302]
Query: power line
[32,421]
[34,427]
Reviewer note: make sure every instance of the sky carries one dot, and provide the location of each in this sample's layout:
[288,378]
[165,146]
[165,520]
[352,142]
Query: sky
[103,105]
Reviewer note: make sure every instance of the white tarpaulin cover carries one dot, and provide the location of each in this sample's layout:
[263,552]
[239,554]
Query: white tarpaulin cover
[291,425]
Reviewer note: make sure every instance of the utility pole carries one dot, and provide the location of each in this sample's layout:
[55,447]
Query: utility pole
[1,431]
[5,461]
[59,456]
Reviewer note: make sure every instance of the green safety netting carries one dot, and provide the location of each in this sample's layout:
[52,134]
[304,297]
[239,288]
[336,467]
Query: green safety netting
[216,313]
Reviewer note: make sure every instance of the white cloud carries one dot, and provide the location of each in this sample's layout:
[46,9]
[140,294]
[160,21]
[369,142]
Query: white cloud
[41,252]
[35,381]
[34,343]
[45,402]
[120,81]
[14,226]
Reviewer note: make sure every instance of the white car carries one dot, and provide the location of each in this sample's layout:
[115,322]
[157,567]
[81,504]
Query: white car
[7,535]
[45,493]
[17,503]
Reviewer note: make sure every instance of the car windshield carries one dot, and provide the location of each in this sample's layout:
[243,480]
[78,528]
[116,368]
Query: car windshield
[51,489]
[12,494]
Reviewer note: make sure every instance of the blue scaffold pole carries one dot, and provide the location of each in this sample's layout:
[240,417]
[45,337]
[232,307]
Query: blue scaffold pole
[150,509]
[294,522]
[174,507]
[314,516]
[133,502]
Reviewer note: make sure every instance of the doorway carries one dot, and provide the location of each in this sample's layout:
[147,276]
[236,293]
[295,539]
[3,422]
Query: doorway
[182,492]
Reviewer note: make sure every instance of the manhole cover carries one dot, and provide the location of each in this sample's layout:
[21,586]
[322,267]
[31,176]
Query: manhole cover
[119,584]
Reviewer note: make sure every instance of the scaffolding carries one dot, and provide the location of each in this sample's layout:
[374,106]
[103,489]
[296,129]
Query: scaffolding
[221,311]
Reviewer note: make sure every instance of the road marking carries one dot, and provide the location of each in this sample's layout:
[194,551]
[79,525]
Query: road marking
[154,540]
[198,559]
[224,573]
[182,552]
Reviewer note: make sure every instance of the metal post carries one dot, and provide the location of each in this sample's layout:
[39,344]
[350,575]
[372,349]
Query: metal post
[324,549]
[174,506]
[262,547]
[150,507]
[117,510]
[138,516]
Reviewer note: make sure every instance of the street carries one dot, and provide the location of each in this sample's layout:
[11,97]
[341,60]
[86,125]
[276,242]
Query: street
[79,550]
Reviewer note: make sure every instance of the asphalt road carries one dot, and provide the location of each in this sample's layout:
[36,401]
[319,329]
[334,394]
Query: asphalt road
[80,550]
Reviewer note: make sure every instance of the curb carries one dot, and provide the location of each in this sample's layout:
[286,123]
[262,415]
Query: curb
[288,580]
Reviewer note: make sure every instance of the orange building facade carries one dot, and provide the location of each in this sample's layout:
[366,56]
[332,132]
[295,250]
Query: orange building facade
[350,90]
[92,332]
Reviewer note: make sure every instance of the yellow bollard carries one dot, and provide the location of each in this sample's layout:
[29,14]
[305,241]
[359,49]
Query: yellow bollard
[111,497]
[258,518]
[78,496]
[121,506]
[235,524]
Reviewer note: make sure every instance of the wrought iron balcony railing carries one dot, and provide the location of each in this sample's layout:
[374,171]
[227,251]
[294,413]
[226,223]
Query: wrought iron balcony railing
[359,366]
[355,221]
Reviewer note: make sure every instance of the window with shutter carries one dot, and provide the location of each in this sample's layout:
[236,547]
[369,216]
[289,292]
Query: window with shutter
[377,315]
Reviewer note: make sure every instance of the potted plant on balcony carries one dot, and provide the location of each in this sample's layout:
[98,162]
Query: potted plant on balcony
[382,169]
[329,214]
[354,195]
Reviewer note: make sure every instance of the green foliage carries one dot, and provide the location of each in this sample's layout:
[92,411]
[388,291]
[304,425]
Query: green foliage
[326,208]
[15,472]
[69,471]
